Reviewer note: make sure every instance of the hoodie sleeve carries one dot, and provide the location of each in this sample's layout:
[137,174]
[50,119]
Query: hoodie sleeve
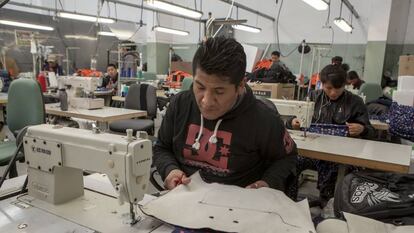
[360,116]
[164,158]
[281,154]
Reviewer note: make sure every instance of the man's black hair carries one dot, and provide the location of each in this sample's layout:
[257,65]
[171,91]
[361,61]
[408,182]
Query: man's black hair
[353,75]
[111,65]
[334,75]
[345,67]
[223,57]
[276,53]
[337,60]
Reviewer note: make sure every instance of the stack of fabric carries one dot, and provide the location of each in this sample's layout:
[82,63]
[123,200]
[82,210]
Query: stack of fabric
[329,129]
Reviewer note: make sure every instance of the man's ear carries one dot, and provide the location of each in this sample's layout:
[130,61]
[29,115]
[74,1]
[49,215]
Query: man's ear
[241,86]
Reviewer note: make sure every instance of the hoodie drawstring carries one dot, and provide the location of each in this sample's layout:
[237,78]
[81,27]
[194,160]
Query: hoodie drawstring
[212,139]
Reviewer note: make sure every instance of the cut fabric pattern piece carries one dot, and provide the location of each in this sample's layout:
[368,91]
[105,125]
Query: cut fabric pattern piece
[199,205]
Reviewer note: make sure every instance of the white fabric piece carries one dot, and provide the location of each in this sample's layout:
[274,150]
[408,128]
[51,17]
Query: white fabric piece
[357,224]
[230,208]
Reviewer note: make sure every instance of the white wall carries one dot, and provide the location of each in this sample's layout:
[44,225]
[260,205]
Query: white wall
[409,35]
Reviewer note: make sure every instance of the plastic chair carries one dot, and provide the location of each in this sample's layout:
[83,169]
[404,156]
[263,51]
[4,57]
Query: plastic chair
[186,84]
[372,91]
[139,97]
[25,107]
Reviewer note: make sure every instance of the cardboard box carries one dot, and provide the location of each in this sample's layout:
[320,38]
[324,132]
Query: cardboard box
[274,90]
[406,65]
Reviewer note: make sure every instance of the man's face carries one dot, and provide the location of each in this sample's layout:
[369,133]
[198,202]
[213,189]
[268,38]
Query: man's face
[214,96]
[52,64]
[275,58]
[331,92]
[111,71]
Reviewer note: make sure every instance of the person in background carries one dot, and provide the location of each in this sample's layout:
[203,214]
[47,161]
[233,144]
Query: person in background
[354,80]
[52,65]
[110,81]
[345,67]
[334,105]
[337,60]
[277,63]
[219,129]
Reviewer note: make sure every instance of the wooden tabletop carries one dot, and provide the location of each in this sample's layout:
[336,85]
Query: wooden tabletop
[105,114]
[379,125]
[352,151]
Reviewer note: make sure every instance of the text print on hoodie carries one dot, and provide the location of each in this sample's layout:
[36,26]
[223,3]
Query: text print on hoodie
[247,144]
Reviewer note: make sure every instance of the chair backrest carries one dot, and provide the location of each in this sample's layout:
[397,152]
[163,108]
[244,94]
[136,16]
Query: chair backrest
[142,97]
[186,84]
[24,105]
[372,91]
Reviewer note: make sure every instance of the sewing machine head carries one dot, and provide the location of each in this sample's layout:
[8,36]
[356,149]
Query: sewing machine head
[81,91]
[56,157]
[303,110]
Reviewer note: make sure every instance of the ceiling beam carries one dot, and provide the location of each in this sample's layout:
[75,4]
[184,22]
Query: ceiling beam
[241,6]
[54,10]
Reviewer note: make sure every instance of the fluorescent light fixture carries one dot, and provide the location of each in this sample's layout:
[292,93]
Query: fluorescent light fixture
[171,31]
[102,33]
[319,5]
[26,25]
[84,17]
[177,9]
[80,37]
[342,24]
[246,28]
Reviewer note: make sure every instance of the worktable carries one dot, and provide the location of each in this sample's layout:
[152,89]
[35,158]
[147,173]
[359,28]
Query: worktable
[103,115]
[378,125]
[93,212]
[353,151]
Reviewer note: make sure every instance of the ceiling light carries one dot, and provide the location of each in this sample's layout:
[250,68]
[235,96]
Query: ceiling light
[81,37]
[102,33]
[246,28]
[319,5]
[84,17]
[342,24]
[171,31]
[177,9]
[26,25]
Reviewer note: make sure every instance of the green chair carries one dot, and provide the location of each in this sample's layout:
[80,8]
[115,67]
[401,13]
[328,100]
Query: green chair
[372,91]
[25,107]
[186,84]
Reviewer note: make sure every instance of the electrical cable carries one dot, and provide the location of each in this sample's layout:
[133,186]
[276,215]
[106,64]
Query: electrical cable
[228,15]
[277,33]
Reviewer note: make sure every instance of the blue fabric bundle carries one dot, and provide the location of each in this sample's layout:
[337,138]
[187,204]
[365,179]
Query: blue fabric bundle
[329,129]
[5,79]
[402,121]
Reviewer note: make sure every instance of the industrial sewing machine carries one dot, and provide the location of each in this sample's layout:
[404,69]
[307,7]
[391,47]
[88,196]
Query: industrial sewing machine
[81,91]
[303,110]
[56,158]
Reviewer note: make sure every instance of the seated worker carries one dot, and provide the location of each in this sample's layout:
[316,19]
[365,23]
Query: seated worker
[354,80]
[110,81]
[220,129]
[334,105]
[52,65]
[277,63]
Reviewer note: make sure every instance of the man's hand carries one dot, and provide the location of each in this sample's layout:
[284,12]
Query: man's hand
[296,124]
[174,178]
[257,184]
[355,129]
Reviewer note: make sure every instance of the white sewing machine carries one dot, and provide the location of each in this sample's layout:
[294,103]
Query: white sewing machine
[303,110]
[56,158]
[81,91]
